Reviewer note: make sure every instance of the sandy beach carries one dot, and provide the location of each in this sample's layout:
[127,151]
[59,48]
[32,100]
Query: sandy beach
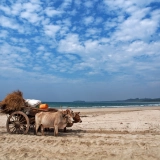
[104,134]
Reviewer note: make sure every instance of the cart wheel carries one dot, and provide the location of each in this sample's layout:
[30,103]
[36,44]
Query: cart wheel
[17,123]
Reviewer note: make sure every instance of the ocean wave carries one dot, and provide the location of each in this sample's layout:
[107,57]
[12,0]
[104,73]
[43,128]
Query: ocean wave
[89,105]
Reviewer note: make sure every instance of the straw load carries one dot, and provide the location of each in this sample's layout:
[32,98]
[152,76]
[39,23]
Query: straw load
[12,102]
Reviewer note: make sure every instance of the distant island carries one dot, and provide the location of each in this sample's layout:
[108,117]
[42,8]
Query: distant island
[79,101]
[143,100]
[127,100]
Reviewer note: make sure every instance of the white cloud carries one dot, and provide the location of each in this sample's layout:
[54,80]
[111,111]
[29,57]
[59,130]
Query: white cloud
[94,32]
[8,49]
[67,22]
[26,76]
[51,30]
[45,21]
[66,4]
[37,68]
[126,5]
[88,20]
[155,15]
[110,24]
[73,12]
[31,7]
[16,8]
[14,58]
[31,17]
[143,3]
[137,25]
[88,4]
[77,3]
[104,40]
[52,12]
[3,33]
[63,31]
[91,46]
[32,12]
[10,23]
[70,44]
[140,13]
[41,48]
[132,29]
[5,9]
[98,20]
[47,56]
[142,48]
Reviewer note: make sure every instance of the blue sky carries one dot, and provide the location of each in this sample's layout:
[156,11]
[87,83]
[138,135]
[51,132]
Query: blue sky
[80,49]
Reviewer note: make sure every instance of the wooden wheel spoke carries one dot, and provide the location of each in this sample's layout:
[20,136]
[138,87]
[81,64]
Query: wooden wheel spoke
[21,118]
[11,122]
[22,128]
[23,125]
[14,130]
[13,126]
[20,131]
[12,118]
[17,130]
[16,117]
[22,121]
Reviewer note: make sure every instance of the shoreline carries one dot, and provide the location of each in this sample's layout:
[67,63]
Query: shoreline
[118,109]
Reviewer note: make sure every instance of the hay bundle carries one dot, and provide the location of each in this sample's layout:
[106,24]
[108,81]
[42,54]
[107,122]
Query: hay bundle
[13,102]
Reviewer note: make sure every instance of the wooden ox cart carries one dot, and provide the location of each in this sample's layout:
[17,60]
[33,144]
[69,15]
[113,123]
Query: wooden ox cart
[20,116]
[19,122]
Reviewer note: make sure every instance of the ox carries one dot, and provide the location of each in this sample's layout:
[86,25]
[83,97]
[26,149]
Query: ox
[76,117]
[58,120]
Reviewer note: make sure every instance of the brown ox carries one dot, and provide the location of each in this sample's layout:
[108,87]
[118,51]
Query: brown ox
[58,120]
[76,117]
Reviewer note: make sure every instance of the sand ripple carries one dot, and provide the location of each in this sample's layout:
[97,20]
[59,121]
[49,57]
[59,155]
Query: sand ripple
[109,136]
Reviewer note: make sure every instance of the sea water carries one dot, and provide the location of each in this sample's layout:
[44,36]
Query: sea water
[112,104]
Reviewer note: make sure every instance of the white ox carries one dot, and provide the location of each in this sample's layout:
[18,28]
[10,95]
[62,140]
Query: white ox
[58,120]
